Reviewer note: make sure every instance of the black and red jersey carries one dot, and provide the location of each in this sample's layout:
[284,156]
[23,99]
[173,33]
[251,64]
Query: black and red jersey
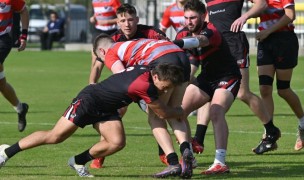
[215,59]
[143,31]
[222,13]
[120,89]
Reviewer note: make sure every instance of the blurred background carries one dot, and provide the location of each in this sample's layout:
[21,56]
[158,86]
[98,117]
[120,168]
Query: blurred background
[78,29]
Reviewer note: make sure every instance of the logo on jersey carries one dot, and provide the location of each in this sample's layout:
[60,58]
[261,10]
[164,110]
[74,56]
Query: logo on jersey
[217,11]
[130,68]
[223,83]
[240,62]
[73,115]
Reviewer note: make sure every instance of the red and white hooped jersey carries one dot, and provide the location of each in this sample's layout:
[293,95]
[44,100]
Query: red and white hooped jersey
[7,7]
[140,51]
[173,16]
[105,10]
[274,13]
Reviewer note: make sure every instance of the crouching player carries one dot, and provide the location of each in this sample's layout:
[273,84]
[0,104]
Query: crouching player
[97,104]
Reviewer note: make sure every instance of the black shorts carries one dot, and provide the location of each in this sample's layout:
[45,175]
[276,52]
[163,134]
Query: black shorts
[5,47]
[239,47]
[177,58]
[97,32]
[230,83]
[279,49]
[80,113]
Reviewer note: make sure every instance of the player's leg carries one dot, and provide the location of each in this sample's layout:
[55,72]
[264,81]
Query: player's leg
[164,140]
[113,140]
[6,89]
[203,119]
[97,163]
[61,131]
[284,77]
[252,100]
[266,74]
[220,104]
[257,106]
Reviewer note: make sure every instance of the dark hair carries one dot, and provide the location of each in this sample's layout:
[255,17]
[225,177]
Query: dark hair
[126,8]
[171,72]
[195,5]
[53,12]
[101,37]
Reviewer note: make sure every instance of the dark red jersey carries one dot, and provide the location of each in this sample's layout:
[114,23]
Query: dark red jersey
[215,59]
[119,90]
[143,31]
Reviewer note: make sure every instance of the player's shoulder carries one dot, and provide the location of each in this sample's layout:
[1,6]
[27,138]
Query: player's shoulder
[143,27]
[183,33]
[172,6]
[118,36]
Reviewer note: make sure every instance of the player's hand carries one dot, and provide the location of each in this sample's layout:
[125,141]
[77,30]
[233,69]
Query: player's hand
[238,24]
[92,20]
[260,36]
[22,39]
[162,37]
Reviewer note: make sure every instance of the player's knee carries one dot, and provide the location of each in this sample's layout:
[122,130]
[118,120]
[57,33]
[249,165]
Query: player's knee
[265,80]
[282,87]
[265,83]
[215,113]
[242,95]
[283,84]
[52,137]
[118,145]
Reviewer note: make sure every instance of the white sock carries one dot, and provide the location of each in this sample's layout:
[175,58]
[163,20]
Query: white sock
[220,155]
[18,108]
[301,122]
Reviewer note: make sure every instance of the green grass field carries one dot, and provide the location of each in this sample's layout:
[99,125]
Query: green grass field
[48,81]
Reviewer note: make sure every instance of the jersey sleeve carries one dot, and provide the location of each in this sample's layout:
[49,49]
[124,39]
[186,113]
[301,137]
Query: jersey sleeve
[149,95]
[287,3]
[111,58]
[180,35]
[166,22]
[143,89]
[116,5]
[155,33]
[214,36]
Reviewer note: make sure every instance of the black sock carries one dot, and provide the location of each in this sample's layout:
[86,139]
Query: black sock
[172,158]
[12,150]
[183,146]
[83,158]
[200,133]
[160,150]
[270,128]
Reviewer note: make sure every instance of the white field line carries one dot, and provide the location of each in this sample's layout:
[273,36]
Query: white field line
[143,128]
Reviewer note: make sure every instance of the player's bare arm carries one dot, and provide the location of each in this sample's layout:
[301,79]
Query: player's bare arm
[163,111]
[24,14]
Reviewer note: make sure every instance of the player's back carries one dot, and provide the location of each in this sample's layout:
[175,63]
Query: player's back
[223,13]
